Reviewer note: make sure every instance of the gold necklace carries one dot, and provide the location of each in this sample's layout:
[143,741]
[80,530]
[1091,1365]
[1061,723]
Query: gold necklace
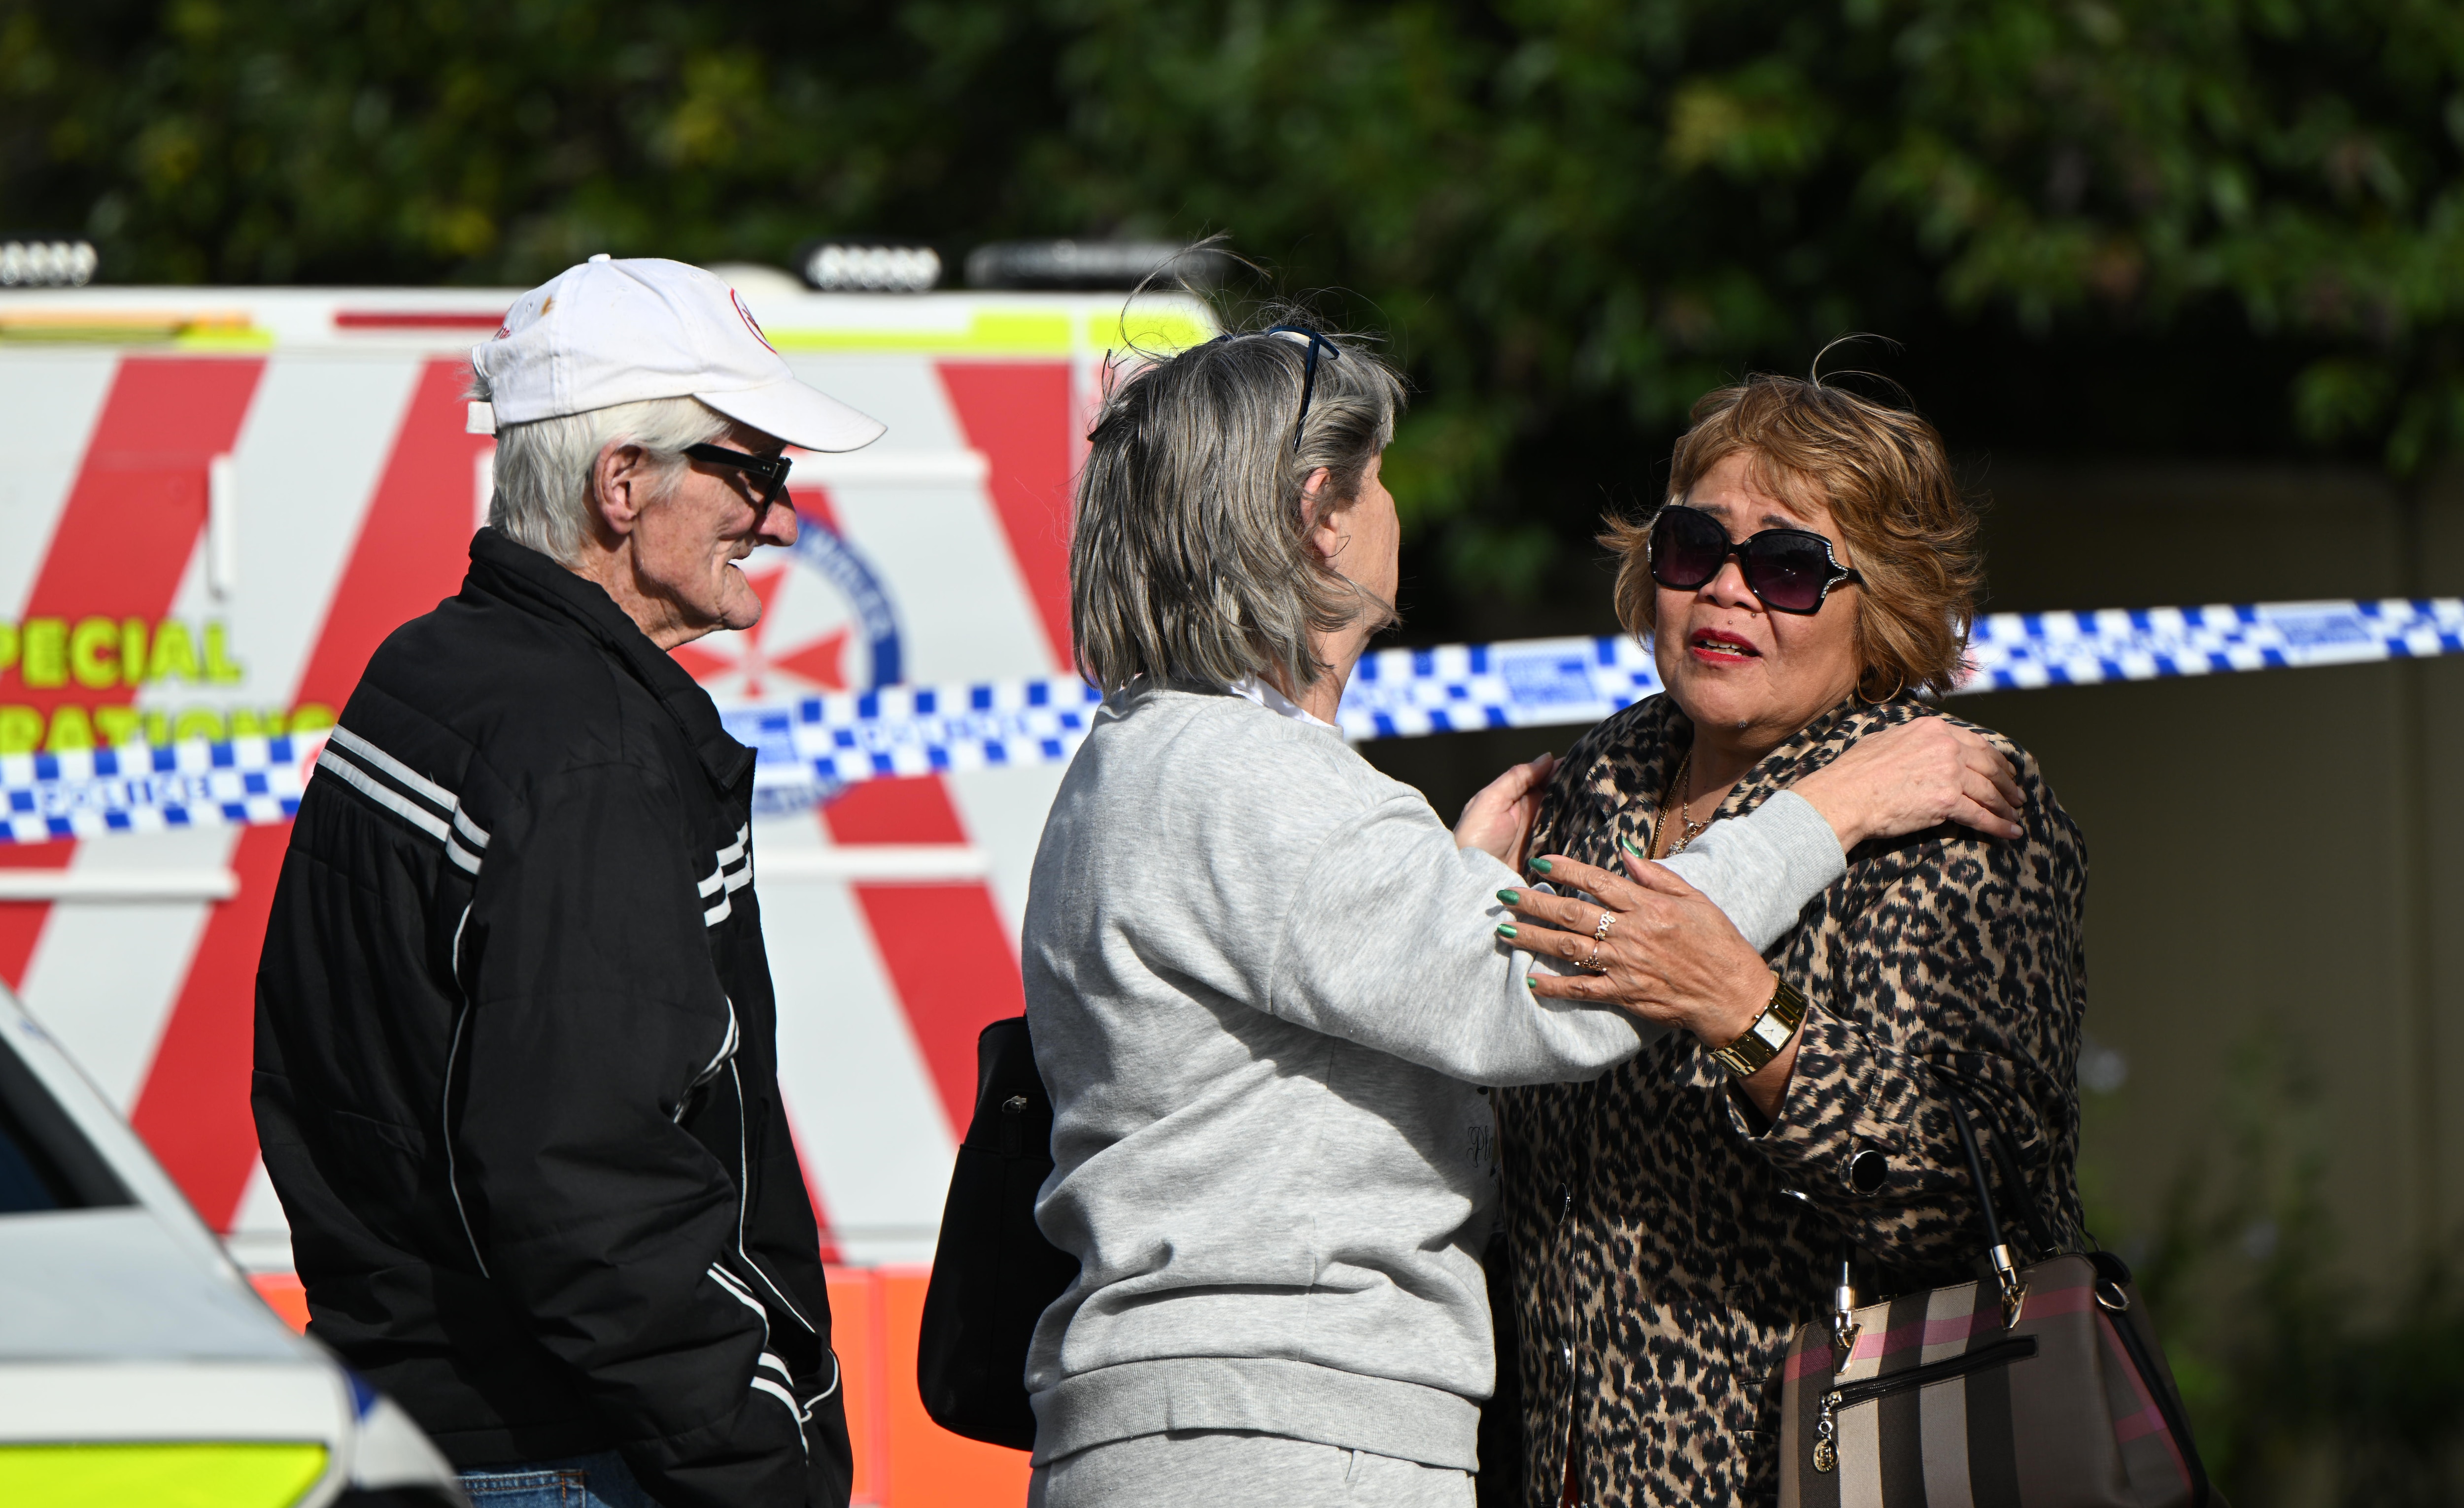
[1689,828]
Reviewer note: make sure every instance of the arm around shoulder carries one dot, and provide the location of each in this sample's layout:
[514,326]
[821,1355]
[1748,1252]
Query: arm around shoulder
[1391,942]
[1763,867]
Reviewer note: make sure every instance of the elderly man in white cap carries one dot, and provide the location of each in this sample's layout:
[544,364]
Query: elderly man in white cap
[516,1072]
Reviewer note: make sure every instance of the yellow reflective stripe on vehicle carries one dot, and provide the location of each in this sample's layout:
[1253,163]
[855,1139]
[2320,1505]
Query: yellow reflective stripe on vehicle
[1014,333]
[112,327]
[210,338]
[1149,330]
[220,1474]
[990,332]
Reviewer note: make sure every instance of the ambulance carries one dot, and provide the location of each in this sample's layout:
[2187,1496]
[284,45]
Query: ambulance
[216,503]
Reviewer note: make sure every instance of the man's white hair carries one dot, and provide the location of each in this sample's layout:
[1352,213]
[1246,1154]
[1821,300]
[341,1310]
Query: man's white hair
[543,496]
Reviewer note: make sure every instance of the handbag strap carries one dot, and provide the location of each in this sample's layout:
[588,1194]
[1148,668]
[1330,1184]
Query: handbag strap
[2032,1210]
[2006,1161]
[1975,1170]
[2108,1266]
[2111,1269]
[2005,1262]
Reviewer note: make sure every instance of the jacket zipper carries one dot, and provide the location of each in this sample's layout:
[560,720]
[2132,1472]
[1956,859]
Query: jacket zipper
[744,1203]
[445,1131]
[1847,1395]
[445,1099]
[725,1055]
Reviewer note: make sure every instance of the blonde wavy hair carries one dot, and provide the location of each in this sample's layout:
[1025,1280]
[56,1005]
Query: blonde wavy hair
[1883,474]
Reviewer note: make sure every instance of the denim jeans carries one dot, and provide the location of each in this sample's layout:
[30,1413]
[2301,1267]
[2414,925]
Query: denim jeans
[600,1480]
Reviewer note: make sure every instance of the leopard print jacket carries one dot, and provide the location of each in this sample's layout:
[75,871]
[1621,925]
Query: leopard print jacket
[1665,1244]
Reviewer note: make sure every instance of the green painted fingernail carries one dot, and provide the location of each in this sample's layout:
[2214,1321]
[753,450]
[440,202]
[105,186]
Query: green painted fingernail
[1506,929]
[1541,864]
[1627,843]
[1532,982]
[1510,897]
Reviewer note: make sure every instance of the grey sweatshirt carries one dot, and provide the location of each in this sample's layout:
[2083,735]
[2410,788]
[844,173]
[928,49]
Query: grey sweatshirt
[1264,984]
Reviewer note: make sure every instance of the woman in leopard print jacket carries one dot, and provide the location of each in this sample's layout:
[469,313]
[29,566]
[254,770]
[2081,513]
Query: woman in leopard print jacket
[1670,1223]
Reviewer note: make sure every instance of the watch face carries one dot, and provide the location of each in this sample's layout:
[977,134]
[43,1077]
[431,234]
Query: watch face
[1772,1029]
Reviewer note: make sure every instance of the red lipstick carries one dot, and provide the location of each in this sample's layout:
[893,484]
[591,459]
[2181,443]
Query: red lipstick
[1717,647]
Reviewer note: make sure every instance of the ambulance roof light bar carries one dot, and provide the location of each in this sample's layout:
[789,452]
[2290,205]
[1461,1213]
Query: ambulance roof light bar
[1089,265]
[870,267]
[39,261]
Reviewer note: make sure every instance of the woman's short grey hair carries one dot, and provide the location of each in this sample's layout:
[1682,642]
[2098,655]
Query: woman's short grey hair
[1189,561]
[543,497]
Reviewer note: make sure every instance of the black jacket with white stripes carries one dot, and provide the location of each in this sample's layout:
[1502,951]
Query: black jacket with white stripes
[516,1063]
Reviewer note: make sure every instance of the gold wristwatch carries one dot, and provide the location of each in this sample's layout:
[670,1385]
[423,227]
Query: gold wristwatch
[1763,1040]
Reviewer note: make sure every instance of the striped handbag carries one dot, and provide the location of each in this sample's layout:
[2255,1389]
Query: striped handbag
[2039,1386]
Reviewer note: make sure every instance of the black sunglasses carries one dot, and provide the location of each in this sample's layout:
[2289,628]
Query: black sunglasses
[1792,570]
[769,473]
[1316,342]
[1309,370]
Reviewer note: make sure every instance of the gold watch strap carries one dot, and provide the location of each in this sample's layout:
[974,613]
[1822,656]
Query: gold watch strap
[1770,1031]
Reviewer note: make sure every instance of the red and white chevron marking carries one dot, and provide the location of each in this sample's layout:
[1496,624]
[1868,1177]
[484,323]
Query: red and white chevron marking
[256,587]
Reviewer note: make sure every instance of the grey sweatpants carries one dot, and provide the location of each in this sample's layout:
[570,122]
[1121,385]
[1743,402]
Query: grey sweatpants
[1236,1469]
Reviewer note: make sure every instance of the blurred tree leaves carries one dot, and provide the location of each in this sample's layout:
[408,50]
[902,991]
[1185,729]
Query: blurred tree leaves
[1574,215]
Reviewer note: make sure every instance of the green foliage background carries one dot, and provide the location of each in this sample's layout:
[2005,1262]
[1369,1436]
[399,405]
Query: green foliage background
[2173,227]
[2178,226]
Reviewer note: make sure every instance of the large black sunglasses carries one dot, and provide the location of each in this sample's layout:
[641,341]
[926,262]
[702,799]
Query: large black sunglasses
[1792,570]
[769,473]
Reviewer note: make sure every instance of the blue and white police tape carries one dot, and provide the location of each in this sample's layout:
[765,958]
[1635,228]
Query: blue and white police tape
[89,793]
[2018,652]
[807,751]
[814,747]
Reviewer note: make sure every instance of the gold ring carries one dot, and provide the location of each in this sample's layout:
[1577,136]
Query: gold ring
[1592,963]
[1600,934]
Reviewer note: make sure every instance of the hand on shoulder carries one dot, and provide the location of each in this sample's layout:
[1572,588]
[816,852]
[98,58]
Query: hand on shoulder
[1498,820]
[1923,773]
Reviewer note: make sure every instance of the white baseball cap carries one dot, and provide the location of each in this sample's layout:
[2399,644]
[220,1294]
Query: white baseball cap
[618,332]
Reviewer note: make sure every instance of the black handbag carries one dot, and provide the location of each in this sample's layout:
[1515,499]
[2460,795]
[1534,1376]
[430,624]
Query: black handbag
[993,1271]
[2039,1385]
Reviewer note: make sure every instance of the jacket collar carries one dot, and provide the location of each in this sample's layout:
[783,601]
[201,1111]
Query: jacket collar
[535,583]
[1813,746]
[1661,733]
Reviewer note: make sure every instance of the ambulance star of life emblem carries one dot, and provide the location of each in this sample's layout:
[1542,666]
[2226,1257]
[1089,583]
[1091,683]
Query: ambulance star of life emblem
[826,626]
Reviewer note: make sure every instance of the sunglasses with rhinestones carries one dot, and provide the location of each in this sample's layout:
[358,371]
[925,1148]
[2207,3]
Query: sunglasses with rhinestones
[1792,570]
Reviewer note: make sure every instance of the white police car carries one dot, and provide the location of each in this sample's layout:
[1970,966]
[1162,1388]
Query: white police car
[137,1367]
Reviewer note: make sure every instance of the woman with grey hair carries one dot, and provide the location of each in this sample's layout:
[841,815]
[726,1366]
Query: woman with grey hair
[1266,985]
